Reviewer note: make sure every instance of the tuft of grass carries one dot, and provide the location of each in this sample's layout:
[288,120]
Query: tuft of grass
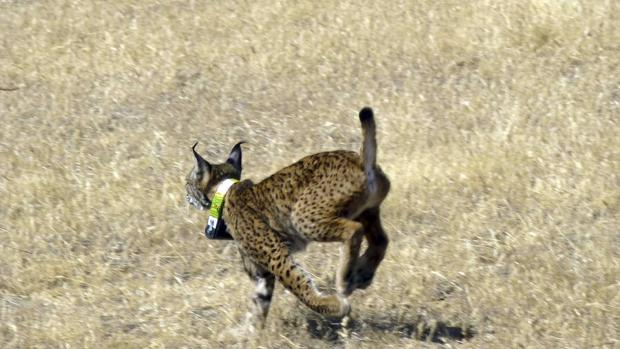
[498,125]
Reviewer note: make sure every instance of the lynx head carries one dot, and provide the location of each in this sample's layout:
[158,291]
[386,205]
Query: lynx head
[203,179]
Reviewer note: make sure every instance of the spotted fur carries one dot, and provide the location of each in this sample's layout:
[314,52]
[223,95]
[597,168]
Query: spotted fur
[326,197]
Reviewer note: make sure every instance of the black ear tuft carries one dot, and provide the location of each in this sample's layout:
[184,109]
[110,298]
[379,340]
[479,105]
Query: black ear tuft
[202,165]
[234,158]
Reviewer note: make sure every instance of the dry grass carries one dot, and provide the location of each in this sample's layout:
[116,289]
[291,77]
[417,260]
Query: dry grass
[498,120]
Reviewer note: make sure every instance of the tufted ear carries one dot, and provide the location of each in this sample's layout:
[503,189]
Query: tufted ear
[202,166]
[234,158]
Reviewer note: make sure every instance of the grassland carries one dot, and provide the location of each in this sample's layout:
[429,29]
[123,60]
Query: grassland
[498,125]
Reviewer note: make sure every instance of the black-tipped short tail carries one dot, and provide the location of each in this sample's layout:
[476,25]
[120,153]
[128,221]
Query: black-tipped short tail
[369,144]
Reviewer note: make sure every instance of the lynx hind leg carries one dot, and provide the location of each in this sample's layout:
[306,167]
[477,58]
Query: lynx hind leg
[263,291]
[378,241]
[337,229]
[349,256]
[351,234]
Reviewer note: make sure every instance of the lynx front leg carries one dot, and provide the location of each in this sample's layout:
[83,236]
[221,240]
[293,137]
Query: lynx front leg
[263,291]
[273,255]
[295,279]
[266,249]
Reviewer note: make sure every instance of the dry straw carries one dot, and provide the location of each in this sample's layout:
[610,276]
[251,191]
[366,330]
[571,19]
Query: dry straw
[498,125]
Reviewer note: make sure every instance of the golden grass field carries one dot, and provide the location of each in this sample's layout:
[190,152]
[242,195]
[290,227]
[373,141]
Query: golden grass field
[498,126]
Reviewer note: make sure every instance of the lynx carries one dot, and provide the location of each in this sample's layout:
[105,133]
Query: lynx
[331,196]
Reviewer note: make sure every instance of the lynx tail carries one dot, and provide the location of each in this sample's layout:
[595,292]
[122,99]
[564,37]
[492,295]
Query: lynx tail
[369,144]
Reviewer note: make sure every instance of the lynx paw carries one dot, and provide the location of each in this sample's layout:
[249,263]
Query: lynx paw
[360,279]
